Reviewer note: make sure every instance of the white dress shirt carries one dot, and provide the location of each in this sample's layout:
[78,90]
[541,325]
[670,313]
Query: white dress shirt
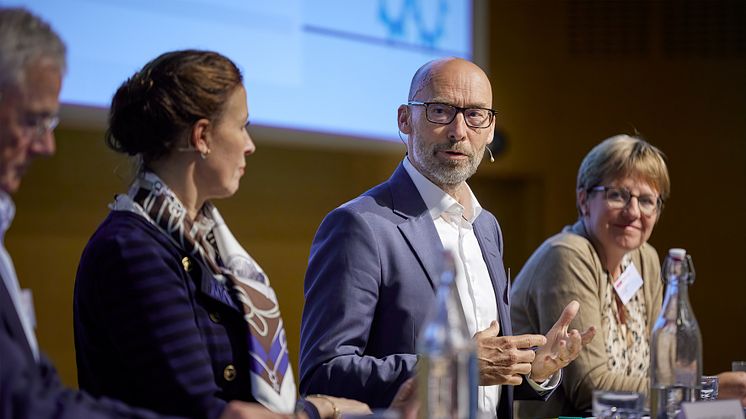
[473,281]
[472,278]
[8,272]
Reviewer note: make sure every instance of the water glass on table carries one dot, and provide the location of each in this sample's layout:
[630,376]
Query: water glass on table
[621,413]
[376,414]
[738,366]
[709,388]
[618,404]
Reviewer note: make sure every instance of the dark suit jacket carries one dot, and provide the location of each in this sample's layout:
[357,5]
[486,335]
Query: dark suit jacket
[369,286]
[152,325]
[31,390]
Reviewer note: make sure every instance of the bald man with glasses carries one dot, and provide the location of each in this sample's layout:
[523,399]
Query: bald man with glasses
[375,262]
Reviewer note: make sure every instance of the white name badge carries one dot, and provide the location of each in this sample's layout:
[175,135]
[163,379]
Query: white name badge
[628,283]
[716,409]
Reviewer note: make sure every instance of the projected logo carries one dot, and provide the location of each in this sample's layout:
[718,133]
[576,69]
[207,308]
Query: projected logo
[419,21]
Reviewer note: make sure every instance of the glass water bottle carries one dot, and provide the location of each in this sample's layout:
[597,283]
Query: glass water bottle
[447,371]
[676,342]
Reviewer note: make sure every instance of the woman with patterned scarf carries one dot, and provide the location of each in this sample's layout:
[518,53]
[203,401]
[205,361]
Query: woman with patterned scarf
[171,313]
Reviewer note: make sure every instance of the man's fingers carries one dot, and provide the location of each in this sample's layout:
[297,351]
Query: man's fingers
[515,380]
[501,379]
[524,356]
[575,343]
[507,379]
[587,336]
[522,368]
[507,358]
[491,331]
[569,313]
[563,351]
[527,341]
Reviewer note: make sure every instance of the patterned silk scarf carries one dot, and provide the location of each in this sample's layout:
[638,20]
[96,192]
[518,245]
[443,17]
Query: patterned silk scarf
[208,237]
[626,330]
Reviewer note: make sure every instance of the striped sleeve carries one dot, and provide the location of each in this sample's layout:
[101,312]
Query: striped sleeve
[145,301]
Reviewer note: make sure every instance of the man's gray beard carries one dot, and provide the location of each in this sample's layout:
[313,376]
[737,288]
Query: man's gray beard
[444,174]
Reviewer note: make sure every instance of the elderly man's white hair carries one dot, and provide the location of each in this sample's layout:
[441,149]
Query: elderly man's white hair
[24,39]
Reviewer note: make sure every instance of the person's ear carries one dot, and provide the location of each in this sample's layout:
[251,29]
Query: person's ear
[491,134]
[404,118]
[657,216]
[200,136]
[582,201]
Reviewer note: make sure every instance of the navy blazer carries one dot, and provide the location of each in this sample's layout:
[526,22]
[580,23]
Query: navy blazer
[31,390]
[152,325]
[369,286]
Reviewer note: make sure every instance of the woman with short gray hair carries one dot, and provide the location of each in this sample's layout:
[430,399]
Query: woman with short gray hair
[621,187]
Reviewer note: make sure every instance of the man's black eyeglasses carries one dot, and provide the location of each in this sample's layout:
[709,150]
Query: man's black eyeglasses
[444,114]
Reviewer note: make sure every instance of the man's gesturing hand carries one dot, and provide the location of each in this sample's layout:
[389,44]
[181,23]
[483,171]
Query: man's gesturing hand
[502,359]
[562,347]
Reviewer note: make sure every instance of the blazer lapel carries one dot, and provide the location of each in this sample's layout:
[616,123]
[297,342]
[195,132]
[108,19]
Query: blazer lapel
[418,228]
[207,284]
[10,321]
[425,244]
[487,234]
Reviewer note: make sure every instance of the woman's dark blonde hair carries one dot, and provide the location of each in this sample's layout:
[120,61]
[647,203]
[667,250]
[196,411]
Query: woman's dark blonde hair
[625,156]
[153,109]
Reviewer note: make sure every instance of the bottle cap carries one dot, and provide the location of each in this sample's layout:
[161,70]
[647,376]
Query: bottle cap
[677,253]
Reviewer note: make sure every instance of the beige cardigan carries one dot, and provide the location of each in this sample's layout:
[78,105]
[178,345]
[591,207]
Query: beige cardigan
[567,267]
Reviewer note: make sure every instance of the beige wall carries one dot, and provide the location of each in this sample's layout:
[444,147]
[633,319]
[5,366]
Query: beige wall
[553,105]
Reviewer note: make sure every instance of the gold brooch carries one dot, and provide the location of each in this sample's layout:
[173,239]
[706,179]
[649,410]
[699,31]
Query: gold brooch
[187,264]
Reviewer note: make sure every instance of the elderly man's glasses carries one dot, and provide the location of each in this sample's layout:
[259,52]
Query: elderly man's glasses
[620,197]
[37,125]
[444,114]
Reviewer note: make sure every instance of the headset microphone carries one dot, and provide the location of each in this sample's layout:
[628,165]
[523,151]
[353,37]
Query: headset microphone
[492,158]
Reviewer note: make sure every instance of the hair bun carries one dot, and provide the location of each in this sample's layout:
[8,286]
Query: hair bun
[153,109]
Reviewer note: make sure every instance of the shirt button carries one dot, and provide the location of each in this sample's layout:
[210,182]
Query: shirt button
[229,373]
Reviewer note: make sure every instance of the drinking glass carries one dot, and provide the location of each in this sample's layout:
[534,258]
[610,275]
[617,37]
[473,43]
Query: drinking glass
[709,388]
[620,413]
[738,366]
[617,404]
[377,414]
